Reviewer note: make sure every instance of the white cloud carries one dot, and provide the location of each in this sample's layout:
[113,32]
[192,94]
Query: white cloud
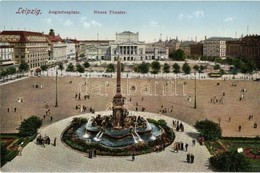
[199,13]
[95,23]
[88,24]
[48,21]
[154,24]
[196,14]
[68,22]
[228,19]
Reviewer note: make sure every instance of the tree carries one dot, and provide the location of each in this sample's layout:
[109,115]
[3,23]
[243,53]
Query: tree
[82,55]
[11,70]
[23,67]
[176,68]
[86,64]
[231,161]
[4,73]
[155,65]
[208,129]
[178,55]
[166,68]
[70,67]
[44,67]
[52,33]
[216,67]
[143,68]
[199,68]
[60,66]
[80,68]
[186,68]
[30,126]
[110,68]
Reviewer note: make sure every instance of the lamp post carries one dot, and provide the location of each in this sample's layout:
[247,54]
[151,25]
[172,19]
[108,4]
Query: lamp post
[195,94]
[56,103]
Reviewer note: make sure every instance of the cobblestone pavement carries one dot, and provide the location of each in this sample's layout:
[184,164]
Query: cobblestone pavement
[63,159]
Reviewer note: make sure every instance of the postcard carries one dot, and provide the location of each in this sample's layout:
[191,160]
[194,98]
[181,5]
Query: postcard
[130,86]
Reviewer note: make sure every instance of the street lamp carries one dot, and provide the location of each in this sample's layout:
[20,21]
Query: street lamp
[195,94]
[56,103]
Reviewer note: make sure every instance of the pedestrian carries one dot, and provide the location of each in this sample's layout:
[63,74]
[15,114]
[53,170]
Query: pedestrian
[229,119]
[193,142]
[175,147]
[255,125]
[94,153]
[130,99]
[133,156]
[186,146]
[51,118]
[76,96]
[8,110]
[90,154]
[20,149]
[239,128]
[43,116]
[188,158]
[54,142]
[191,158]
[15,109]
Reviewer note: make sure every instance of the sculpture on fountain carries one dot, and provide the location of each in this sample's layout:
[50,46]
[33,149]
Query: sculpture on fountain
[119,129]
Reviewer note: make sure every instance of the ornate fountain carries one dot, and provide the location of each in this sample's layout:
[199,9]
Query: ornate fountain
[119,129]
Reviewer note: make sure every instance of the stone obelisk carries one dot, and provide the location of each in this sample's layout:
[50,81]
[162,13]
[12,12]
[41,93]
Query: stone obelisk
[118,101]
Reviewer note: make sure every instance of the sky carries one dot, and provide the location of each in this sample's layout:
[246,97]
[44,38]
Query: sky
[153,20]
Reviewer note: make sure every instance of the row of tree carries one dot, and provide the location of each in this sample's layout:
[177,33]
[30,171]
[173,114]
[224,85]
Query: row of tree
[155,68]
[23,67]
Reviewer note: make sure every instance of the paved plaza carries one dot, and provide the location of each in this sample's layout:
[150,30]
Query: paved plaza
[60,158]
[102,91]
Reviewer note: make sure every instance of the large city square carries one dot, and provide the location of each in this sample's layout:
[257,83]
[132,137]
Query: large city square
[122,86]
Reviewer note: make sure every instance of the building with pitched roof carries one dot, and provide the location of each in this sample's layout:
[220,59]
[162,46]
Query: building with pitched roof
[57,48]
[29,47]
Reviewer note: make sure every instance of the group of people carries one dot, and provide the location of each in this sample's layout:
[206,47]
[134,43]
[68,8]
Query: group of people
[37,86]
[92,153]
[242,94]
[165,110]
[78,96]
[8,109]
[180,146]
[47,112]
[45,140]
[217,100]
[85,109]
[190,158]
[178,125]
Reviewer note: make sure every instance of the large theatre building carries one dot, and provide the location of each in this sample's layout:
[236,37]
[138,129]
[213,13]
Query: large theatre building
[126,46]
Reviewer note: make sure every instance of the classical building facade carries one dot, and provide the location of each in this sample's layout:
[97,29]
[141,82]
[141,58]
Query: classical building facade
[215,46]
[29,47]
[6,55]
[57,48]
[126,46]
